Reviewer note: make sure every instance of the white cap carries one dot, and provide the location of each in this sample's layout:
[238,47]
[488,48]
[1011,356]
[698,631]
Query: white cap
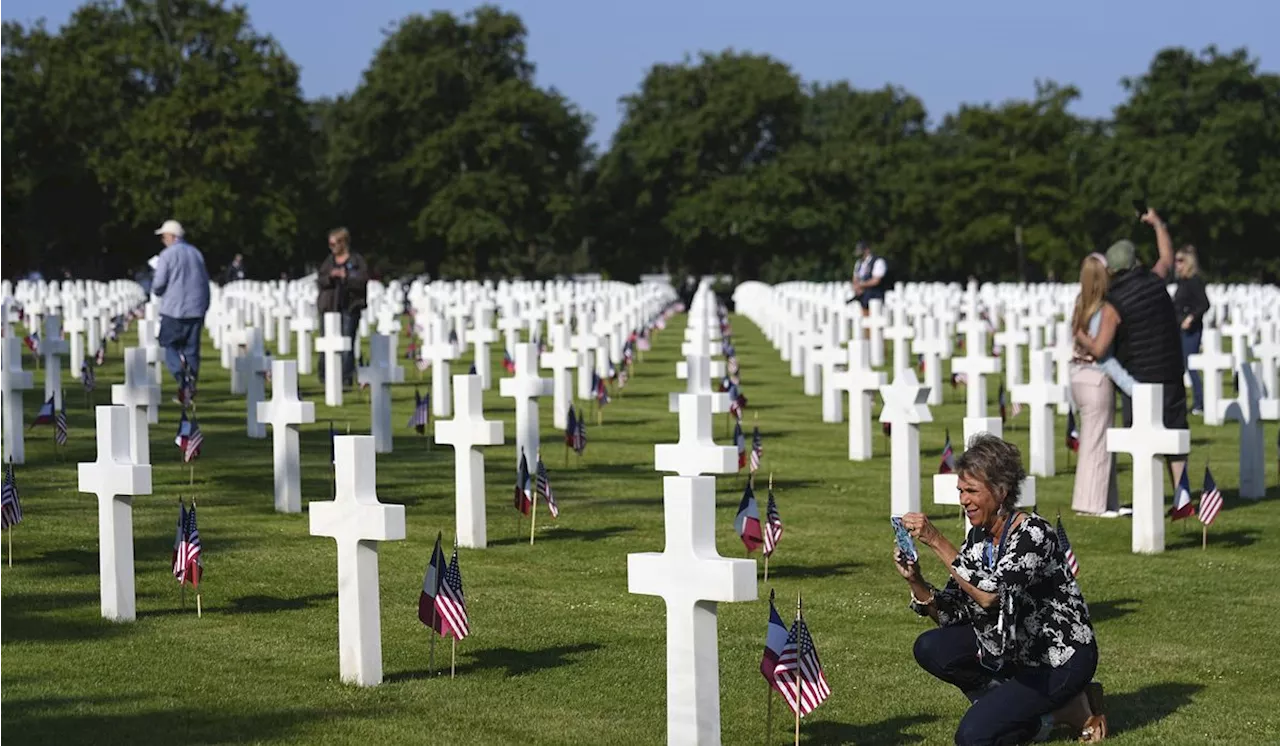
[171,228]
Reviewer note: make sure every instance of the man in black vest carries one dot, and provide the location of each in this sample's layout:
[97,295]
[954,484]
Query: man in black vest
[1143,325]
[870,276]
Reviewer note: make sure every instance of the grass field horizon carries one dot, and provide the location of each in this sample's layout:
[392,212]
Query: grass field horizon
[560,653]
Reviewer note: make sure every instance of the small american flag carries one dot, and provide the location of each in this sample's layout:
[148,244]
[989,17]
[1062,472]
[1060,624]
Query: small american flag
[450,604]
[1073,432]
[10,505]
[799,673]
[60,425]
[580,438]
[571,430]
[421,416]
[195,440]
[772,533]
[187,567]
[32,341]
[544,486]
[1003,399]
[757,450]
[959,379]
[1210,499]
[740,440]
[101,357]
[87,378]
[1068,553]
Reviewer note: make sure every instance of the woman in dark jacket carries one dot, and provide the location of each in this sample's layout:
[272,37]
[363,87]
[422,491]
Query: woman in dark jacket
[1191,303]
[342,278]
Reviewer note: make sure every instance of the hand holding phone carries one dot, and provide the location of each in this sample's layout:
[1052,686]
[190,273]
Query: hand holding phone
[906,545]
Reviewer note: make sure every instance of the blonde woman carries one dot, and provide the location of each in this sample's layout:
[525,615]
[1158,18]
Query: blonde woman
[1093,386]
[1191,303]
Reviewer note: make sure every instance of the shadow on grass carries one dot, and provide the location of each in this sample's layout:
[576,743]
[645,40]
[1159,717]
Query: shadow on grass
[1133,710]
[65,562]
[1102,611]
[561,534]
[1232,539]
[814,571]
[64,721]
[886,732]
[22,626]
[271,604]
[1231,499]
[515,662]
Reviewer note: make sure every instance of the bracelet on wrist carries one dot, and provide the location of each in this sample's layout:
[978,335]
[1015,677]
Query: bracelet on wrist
[924,602]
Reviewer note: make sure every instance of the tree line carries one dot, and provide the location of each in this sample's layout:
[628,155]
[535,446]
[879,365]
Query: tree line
[448,158]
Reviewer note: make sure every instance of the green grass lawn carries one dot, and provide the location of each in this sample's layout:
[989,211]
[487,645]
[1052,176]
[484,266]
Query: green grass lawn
[560,653]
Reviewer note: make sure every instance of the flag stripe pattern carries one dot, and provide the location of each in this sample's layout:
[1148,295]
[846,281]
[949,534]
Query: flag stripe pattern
[757,450]
[60,426]
[772,525]
[186,565]
[544,486]
[451,608]
[799,674]
[1210,499]
[421,412]
[10,505]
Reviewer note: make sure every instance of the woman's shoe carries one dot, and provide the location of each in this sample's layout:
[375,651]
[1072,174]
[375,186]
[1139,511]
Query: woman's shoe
[1095,727]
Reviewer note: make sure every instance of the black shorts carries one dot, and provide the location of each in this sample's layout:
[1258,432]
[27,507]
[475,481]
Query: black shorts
[1174,410]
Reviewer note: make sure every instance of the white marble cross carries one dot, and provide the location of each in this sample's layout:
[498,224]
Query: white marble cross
[861,382]
[1063,351]
[1246,409]
[900,333]
[381,372]
[115,478]
[690,576]
[284,412]
[13,381]
[357,521]
[332,345]
[561,361]
[932,346]
[75,327]
[1041,395]
[440,352]
[282,314]
[905,407]
[141,398]
[52,347]
[975,366]
[696,453]
[304,325]
[874,323]
[1012,339]
[1147,440]
[1211,361]
[481,337]
[253,366]
[526,387]
[585,343]
[830,358]
[467,430]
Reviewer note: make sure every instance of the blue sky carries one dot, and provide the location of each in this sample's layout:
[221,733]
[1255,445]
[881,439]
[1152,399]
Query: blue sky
[945,52]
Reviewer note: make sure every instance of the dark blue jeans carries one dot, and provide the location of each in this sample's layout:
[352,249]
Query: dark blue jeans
[1190,346]
[1006,705]
[180,339]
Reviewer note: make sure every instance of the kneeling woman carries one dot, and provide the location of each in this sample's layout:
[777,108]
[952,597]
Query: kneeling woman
[1013,629]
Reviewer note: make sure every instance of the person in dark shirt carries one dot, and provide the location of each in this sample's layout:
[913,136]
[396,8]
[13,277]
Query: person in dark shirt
[1014,633]
[342,279]
[1139,318]
[235,270]
[1191,304]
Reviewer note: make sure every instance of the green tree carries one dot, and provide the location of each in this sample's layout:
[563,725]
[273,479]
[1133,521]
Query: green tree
[449,158]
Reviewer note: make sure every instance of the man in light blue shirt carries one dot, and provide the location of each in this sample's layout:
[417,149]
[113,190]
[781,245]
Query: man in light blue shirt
[182,283]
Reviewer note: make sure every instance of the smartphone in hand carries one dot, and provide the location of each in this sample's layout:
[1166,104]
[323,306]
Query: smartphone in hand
[906,545]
